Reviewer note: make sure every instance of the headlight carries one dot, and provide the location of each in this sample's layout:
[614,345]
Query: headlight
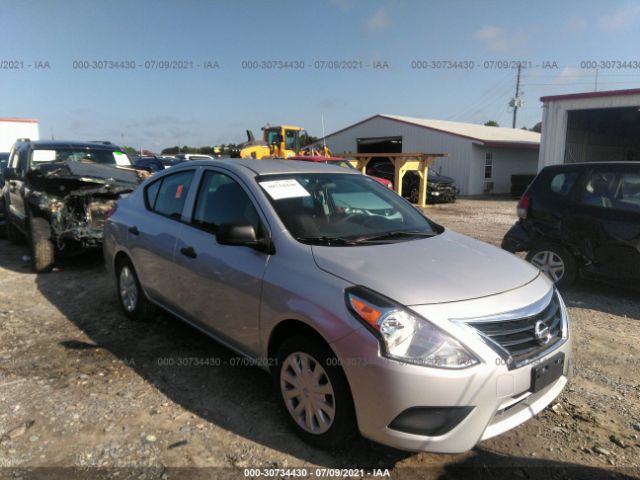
[405,336]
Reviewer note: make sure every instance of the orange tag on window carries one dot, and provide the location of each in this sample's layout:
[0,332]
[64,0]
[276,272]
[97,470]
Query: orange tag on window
[179,191]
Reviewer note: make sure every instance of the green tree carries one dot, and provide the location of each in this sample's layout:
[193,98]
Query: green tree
[132,152]
[491,123]
[537,127]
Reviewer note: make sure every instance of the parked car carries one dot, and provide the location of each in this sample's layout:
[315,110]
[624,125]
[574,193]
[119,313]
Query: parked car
[148,163]
[440,188]
[4,158]
[368,315]
[58,194]
[340,162]
[581,218]
[183,157]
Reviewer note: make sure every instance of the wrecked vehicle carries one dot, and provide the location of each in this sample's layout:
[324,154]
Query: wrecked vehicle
[58,195]
[581,219]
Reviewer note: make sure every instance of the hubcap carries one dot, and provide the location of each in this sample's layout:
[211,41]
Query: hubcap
[550,263]
[307,393]
[128,289]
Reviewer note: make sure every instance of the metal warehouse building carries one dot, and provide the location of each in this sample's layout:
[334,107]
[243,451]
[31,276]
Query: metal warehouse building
[481,159]
[588,127]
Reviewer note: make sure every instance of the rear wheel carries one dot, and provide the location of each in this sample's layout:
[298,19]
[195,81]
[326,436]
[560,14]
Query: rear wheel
[132,298]
[42,249]
[555,261]
[314,393]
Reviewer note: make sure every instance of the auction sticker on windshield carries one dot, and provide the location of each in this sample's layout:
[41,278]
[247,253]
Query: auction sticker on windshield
[287,188]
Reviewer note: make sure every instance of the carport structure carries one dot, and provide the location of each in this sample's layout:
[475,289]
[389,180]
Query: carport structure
[591,126]
[402,163]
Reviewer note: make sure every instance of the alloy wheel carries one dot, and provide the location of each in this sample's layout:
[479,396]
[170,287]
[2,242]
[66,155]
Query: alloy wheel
[307,393]
[550,263]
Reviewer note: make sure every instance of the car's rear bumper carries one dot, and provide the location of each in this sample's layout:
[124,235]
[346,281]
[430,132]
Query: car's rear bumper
[516,240]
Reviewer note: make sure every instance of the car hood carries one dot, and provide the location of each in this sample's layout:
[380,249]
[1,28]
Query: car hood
[446,268]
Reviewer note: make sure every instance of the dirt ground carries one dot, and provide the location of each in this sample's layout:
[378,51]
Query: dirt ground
[86,393]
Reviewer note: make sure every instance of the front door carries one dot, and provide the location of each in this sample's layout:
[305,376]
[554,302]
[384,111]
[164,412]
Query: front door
[608,219]
[220,285]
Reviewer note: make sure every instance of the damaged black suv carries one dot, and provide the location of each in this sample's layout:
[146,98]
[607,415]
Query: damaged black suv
[58,194]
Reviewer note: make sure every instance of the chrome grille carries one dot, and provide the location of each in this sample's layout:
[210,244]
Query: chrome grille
[521,338]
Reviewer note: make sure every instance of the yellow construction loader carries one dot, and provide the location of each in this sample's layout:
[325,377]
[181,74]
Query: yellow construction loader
[280,141]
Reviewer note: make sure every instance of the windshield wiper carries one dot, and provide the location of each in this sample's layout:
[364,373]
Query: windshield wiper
[394,234]
[327,240]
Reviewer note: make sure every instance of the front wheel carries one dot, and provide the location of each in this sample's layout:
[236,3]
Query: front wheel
[314,393]
[555,261]
[42,249]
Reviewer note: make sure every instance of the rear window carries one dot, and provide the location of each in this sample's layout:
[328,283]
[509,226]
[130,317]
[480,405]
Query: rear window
[167,195]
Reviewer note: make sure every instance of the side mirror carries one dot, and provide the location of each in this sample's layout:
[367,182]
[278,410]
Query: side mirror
[9,173]
[243,235]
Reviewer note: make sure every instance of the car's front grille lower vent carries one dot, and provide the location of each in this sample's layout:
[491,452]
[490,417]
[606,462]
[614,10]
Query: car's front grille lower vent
[522,338]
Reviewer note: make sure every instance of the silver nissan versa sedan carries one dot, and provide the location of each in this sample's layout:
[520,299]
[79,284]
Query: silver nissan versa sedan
[368,315]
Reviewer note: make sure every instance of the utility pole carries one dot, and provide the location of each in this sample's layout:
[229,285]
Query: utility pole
[515,103]
[596,86]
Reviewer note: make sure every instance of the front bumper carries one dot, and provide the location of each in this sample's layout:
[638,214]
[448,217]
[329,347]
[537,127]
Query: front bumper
[500,398]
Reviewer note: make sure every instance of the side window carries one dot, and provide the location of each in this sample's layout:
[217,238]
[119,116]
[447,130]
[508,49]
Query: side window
[599,189]
[222,201]
[151,194]
[290,140]
[562,183]
[488,165]
[13,159]
[171,194]
[628,197]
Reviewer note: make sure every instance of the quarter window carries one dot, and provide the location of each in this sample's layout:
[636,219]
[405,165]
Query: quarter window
[167,195]
[488,165]
[222,201]
[562,183]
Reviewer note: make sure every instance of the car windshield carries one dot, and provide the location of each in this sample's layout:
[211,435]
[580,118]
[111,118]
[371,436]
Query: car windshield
[109,157]
[343,209]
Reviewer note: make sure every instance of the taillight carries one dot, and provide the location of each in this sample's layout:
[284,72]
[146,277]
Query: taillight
[523,207]
[111,211]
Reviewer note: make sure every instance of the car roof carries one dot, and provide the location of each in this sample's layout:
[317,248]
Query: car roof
[273,166]
[562,166]
[53,144]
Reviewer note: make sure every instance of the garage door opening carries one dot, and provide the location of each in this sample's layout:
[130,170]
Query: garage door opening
[606,134]
[380,145]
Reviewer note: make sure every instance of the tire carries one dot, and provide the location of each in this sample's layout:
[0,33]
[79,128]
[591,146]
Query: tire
[42,249]
[133,300]
[337,429]
[558,263]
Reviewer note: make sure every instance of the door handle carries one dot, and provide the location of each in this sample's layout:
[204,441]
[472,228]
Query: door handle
[134,230]
[188,252]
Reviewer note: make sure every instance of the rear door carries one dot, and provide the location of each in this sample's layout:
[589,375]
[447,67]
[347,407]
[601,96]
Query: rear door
[219,286]
[607,221]
[552,197]
[153,232]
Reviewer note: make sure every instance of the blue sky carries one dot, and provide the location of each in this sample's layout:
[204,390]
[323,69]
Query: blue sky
[160,108]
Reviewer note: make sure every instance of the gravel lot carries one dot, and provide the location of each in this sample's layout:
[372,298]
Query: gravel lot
[83,387]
